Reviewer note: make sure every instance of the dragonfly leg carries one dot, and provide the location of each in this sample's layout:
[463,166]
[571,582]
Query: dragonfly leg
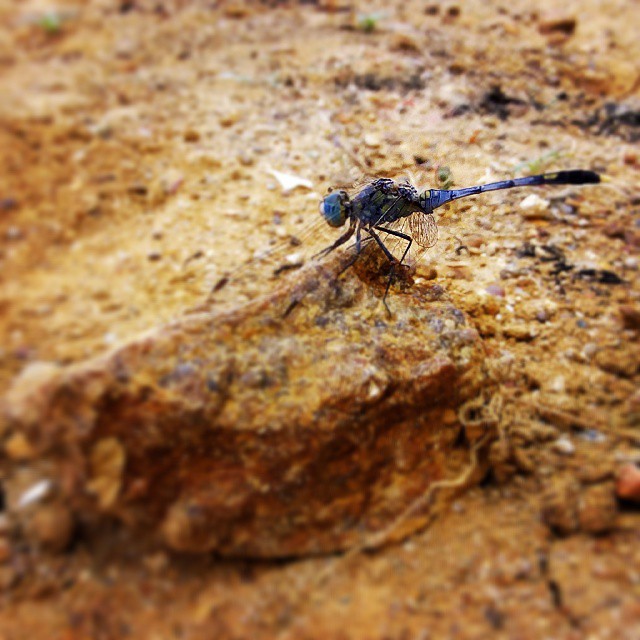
[394,262]
[358,245]
[340,241]
[358,239]
[402,236]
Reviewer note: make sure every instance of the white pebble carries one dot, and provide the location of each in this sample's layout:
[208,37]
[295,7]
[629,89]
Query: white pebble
[35,493]
[564,445]
[534,206]
[558,384]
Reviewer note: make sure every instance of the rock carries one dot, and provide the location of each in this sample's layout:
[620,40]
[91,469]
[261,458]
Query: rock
[495,289]
[50,526]
[301,422]
[557,23]
[535,207]
[17,447]
[619,362]
[630,316]
[405,43]
[564,446]
[372,140]
[519,332]
[597,509]
[628,483]
[560,505]
[191,135]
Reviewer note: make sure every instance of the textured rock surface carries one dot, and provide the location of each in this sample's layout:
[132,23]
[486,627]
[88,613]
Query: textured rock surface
[267,430]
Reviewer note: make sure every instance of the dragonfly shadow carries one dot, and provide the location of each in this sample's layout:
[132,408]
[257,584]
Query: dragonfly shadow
[343,279]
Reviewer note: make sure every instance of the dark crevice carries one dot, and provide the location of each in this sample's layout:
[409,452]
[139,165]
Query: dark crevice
[555,590]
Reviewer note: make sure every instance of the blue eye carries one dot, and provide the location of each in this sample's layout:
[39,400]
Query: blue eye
[333,208]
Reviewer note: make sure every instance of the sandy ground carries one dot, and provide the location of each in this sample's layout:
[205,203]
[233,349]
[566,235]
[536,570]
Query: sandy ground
[137,141]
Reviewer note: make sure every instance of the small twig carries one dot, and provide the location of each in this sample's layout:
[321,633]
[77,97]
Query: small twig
[379,538]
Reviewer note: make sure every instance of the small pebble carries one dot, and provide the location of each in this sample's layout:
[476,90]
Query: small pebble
[138,189]
[495,290]
[597,509]
[372,140]
[557,23]
[429,273]
[474,240]
[589,350]
[51,526]
[18,447]
[110,338]
[229,119]
[564,446]
[542,315]
[35,493]
[291,260]
[559,505]
[558,384]
[237,10]
[405,43]
[246,159]
[535,207]
[630,316]
[519,332]
[628,483]
[460,272]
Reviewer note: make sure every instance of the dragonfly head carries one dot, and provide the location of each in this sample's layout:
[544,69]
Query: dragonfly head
[334,208]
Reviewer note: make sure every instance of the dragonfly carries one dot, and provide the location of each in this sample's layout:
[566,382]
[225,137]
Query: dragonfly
[385,205]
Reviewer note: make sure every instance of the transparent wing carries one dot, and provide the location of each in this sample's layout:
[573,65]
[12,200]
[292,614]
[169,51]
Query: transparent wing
[424,229]
[396,245]
[355,185]
[421,228]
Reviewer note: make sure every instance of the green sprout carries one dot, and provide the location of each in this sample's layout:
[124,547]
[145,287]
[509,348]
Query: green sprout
[445,177]
[368,22]
[51,23]
[538,164]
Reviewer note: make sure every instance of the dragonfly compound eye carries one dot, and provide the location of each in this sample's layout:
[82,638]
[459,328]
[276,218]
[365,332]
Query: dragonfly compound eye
[334,208]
